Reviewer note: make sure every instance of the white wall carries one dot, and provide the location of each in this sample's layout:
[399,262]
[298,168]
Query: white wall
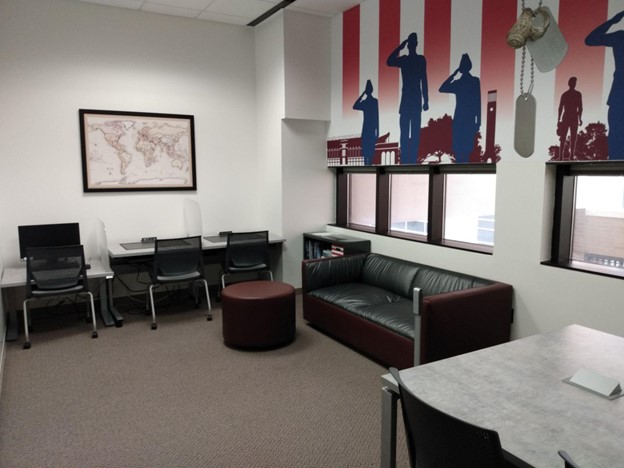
[59,56]
[307,66]
[292,73]
[269,74]
[308,188]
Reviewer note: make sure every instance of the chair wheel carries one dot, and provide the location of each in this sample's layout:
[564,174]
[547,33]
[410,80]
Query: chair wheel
[26,345]
[154,326]
[209,318]
[94,334]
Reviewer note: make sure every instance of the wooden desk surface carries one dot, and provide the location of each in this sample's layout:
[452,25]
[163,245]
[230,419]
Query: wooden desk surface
[516,389]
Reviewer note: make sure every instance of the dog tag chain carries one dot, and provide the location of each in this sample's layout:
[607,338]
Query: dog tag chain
[524,131]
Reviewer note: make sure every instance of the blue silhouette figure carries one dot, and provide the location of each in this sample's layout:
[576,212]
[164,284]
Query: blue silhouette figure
[414,96]
[601,37]
[467,117]
[370,127]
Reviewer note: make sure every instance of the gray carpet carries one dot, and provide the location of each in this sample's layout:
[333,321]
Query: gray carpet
[177,397]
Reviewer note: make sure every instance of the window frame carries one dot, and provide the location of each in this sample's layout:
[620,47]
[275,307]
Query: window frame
[563,215]
[436,202]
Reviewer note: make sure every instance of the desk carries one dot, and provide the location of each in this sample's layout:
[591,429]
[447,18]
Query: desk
[120,255]
[15,277]
[516,389]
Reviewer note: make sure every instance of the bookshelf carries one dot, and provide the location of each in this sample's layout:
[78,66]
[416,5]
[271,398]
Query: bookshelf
[329,244]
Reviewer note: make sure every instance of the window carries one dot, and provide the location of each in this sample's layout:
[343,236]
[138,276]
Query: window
[449,205]
[409,200]
[469,210]
[588,222]
[362,188]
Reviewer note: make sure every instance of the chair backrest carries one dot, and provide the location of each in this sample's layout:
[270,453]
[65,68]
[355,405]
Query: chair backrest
[437,439]
[247,250]
[178,256]
[55,268]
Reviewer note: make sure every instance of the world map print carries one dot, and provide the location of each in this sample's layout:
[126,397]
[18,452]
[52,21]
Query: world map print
[137,152]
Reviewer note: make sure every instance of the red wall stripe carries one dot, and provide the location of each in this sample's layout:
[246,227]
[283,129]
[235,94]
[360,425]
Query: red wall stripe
[437,45]
[389,39]
[577,18]
[350,60]
[497,58]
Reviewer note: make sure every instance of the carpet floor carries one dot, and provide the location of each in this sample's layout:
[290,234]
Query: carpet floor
[178,397]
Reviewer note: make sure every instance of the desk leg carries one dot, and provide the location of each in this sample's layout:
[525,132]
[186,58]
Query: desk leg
[388,427]
[108,312]
[111,307]
[12,322]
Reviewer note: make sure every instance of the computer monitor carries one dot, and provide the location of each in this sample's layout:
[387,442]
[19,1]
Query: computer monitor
[47,235]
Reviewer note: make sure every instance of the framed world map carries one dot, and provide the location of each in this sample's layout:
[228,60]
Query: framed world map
[137,151]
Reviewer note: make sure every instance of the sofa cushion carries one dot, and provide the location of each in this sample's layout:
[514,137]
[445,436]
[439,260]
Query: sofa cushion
[352,296]
[372,303]
[434,281]
[326,272]
[396,316]
[390,273]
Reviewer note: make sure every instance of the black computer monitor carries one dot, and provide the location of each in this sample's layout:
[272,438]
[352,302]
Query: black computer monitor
[47,235]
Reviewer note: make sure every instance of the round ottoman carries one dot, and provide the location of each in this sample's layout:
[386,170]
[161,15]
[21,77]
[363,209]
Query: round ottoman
[258,314]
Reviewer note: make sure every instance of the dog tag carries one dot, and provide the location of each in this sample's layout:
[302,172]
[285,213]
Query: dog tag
[549,50]
[524,132]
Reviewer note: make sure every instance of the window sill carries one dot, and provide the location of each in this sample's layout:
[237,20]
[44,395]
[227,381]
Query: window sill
[592,268]
[466,246]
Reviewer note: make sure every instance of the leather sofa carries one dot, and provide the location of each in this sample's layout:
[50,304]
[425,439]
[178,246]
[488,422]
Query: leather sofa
[382,306]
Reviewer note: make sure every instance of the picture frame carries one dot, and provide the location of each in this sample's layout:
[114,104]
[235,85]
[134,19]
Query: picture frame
[137,151]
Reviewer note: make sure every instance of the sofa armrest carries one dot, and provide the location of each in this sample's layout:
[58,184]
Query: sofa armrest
[463,321]
[322,272]
[417,304]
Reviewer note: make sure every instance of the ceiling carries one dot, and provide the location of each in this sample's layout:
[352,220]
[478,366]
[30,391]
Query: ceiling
[230,11]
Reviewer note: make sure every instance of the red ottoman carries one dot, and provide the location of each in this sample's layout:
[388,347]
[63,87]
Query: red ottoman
[258,314]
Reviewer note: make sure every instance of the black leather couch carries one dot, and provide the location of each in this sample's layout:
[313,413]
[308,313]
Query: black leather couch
[381,305]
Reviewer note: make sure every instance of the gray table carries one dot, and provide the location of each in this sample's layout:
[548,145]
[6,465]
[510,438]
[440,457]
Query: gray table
[516,389]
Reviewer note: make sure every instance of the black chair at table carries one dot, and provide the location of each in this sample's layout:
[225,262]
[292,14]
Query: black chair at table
[178,260]
[246,252]
[56,271]
[438,440]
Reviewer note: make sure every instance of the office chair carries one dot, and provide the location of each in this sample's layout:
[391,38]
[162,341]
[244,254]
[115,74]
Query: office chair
[178,260]
[56,271]
[569,463]
[246,252]
[438,440]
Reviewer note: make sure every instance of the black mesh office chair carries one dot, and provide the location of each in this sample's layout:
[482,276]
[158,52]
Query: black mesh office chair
[568,462]
[246,252]
[438,440]
[56,271]
[178,260]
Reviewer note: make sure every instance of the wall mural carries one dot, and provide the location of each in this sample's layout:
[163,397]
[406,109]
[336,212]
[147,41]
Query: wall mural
[439,80]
